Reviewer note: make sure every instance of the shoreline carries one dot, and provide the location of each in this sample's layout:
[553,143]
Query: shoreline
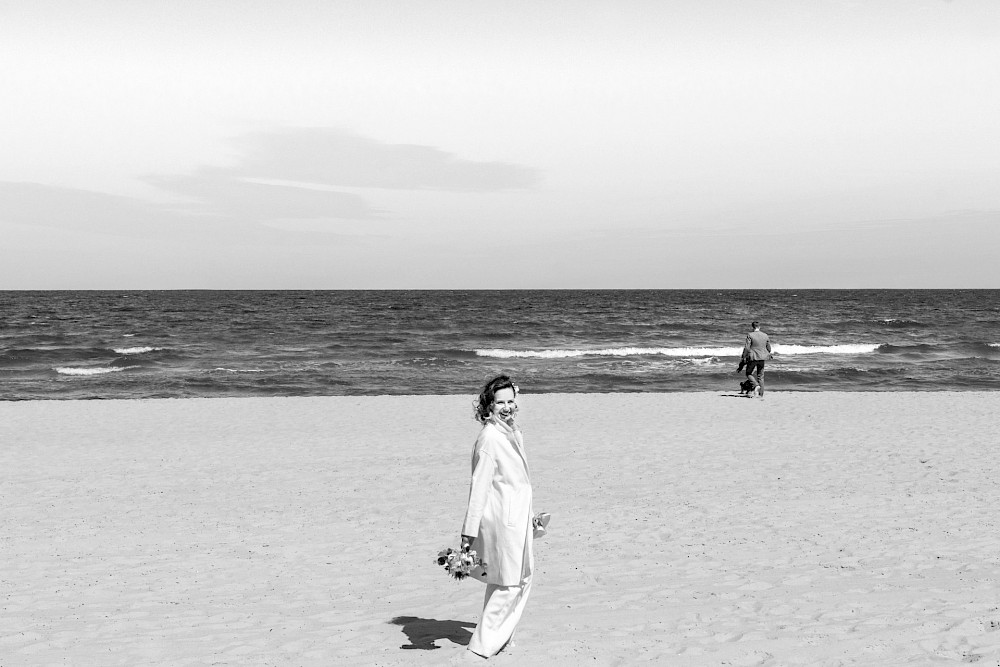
[807,528]
[722,393]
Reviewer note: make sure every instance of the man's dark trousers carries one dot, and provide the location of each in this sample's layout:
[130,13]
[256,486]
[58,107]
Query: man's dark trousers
[755,373]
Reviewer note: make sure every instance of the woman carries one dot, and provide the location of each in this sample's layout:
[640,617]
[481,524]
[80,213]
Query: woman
[498,523]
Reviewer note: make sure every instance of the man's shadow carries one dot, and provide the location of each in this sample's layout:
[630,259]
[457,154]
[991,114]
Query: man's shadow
[423,632]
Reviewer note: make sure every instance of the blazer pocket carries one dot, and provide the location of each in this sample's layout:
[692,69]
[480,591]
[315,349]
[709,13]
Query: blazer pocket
[514,511]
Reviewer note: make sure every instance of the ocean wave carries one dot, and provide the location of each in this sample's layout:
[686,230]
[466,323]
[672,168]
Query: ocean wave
[897,322]
[135,350]
[612,352]
[785,350]
[37,352]
[859,348]
[66,370]
[238,370]
[994,344]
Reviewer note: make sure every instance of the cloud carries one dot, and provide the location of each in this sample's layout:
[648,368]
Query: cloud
[284,185]
[333,157]
[218,194]
[89,212]
[72,209]
[292,174]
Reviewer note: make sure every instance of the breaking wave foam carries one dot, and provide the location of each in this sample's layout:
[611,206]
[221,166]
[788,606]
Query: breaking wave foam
[789,350]
[862,348]
[136,350]
[611,352]
[68,370]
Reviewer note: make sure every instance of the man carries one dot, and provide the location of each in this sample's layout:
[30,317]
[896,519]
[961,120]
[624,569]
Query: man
[755,352]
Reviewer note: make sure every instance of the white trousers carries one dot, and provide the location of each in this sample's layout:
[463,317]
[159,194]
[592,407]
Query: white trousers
[502,610]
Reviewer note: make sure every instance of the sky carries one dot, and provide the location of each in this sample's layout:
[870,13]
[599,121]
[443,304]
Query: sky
[327,144]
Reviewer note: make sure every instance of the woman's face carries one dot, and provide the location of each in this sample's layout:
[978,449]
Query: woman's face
[504,405]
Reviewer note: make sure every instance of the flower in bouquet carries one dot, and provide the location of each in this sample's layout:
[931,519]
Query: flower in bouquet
[458,563]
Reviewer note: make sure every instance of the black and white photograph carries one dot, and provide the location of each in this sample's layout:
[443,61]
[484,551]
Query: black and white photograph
[383,333]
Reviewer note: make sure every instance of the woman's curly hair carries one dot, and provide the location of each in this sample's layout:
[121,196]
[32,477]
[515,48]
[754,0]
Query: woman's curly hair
[484,403]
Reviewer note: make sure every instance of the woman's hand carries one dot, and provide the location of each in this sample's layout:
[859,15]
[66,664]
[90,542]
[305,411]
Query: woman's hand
[467,542]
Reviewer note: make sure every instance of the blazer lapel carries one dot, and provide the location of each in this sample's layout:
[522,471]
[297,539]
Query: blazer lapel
[515,438]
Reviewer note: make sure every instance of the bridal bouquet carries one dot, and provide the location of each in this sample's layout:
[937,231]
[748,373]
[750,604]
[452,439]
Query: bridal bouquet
[459,564]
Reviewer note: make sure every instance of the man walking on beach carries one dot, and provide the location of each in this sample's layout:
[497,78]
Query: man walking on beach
[755,352]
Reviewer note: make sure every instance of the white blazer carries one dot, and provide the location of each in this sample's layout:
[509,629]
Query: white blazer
[500,510]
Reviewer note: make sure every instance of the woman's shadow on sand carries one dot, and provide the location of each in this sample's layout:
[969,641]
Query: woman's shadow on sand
[423,632]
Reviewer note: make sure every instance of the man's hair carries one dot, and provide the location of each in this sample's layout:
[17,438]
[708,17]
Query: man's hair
[755,324]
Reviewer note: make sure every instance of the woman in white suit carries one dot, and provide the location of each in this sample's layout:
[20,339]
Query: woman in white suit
[498,523]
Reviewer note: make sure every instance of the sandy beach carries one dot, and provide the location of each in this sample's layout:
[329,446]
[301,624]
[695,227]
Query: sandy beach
[688,529]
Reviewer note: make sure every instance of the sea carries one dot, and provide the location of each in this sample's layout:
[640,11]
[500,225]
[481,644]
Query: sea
[179,344]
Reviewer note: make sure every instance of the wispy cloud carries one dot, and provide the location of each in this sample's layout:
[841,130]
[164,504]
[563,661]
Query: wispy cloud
[88,212]
[278,177]
[214,193]
[73,209]
[300,173]
[333,157]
